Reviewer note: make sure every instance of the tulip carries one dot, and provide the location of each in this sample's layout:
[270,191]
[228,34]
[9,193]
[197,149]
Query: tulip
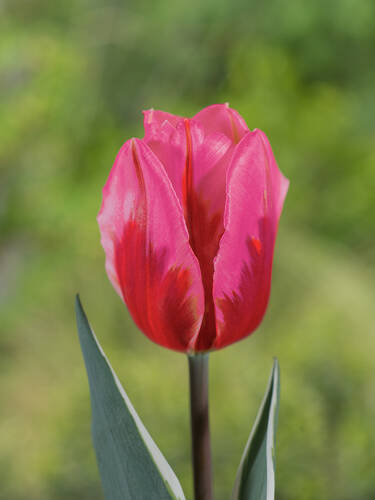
[188,224]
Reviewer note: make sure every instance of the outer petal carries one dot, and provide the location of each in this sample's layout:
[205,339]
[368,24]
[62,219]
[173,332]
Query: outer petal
[148,257]
[242,278]
[221,118]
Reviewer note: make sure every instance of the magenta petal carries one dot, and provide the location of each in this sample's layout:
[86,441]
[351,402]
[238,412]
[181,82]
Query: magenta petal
[242,278]
[221,118]
[148,256]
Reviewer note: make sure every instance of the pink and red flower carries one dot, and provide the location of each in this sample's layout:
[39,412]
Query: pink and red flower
[188,223]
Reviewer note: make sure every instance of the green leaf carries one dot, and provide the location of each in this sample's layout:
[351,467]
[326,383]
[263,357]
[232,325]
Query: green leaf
[256,474]
[130,464]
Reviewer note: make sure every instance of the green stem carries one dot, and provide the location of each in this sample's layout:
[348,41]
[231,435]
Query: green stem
[200,426]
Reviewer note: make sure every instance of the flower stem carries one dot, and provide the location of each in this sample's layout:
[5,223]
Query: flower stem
[200,426]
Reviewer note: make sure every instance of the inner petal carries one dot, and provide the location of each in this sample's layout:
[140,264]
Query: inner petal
[196,160]
[222,118]
[203,211]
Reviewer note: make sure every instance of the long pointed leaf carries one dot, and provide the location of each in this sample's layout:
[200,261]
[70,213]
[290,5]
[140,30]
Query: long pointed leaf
[130,464]
[256,474]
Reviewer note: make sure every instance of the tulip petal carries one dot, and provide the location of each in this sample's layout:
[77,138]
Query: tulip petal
[242,278]
[148,256]
[154,119]
[168,146]
[210,150]
[196,165]
[203,210]
[222,118]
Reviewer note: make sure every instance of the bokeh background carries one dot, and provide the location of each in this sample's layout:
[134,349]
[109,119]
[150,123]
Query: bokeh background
[74,77]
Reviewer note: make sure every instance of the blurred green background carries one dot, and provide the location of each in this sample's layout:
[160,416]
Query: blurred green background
[74,77]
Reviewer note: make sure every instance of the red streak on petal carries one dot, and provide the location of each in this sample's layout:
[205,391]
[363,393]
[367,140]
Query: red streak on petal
[187,186]
[257,244]
[142,204]
[236,135]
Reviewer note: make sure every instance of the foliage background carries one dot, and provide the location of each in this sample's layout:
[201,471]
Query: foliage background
[74,77]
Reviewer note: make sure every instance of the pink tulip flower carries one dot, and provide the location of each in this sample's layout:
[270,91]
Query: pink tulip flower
[188,224]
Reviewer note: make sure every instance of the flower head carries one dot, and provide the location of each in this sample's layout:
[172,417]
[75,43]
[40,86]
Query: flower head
[188,224]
